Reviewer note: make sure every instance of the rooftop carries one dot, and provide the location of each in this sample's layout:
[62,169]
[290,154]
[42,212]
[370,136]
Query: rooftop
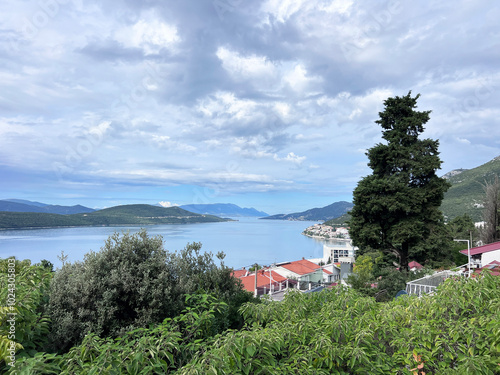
[302,267]
[482,249]
[264,278]
[414,264]
[493,268]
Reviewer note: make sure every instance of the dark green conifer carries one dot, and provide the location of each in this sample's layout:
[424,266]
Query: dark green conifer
[397,206]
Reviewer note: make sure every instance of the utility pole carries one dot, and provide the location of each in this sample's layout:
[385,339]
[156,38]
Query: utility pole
[468,251]
[256,269]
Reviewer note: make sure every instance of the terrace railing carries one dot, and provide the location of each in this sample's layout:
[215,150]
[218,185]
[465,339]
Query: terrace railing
[428,284]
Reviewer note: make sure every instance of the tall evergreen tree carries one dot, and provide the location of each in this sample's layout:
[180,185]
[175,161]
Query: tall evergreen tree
[490,231]
[397,206]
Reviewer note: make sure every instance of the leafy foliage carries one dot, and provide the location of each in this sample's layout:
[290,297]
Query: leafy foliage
[131,283]
[22,317]
[341,332]
[397,206]
[158,350]
[490,231]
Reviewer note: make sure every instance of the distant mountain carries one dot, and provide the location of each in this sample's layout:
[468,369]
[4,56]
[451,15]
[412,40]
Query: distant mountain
[453,173]
[332,211]
[134,214]
[20,205]
[29,203]
[466,194]
[67,210]
[10,206]
[223,210]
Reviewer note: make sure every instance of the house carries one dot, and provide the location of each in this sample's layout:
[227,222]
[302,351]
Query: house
[338,249]
[483,255]
[414,266]
[334,268]
[303,270]
[268,281]
[493,268]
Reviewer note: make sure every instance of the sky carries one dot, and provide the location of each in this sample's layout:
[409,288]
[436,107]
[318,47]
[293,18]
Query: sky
[265,103]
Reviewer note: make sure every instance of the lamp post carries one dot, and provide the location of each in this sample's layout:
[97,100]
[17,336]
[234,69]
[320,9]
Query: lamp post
[468,251]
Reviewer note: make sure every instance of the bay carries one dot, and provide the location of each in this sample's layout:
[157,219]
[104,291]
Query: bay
[245,241]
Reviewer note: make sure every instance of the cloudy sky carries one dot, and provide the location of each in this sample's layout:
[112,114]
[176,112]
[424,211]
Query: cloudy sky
[265,103]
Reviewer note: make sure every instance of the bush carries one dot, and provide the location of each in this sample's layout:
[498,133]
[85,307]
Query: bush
[455,331]
[23,296]
[131,283]
[157,350]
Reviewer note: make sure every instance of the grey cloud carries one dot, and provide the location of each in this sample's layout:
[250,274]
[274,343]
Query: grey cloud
[111,50]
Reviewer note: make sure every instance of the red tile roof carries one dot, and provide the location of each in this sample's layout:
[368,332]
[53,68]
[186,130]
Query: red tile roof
[262,279]
[239,273]
[302,267]
[416,265]
[483,249]
[493,268]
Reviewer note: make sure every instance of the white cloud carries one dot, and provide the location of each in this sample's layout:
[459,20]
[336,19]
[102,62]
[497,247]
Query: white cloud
[338,6]
[150,34]
[464,141]
[246,67]
[167,204]
[300,80]
[283,9]
[292,158]
[226,103]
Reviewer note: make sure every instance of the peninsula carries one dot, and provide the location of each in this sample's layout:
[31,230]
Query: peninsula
[133,214]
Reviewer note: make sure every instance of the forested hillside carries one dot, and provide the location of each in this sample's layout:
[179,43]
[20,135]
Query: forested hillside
[331,211]
[134,214]
[466,194]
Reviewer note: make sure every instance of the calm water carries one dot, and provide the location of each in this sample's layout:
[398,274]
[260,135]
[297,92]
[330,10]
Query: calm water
[244,242]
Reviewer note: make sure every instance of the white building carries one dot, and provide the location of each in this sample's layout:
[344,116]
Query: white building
[338,249]
[483,255]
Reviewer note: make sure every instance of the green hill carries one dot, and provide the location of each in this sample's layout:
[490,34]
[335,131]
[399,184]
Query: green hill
[339,221]
[466,194]
[331,211]
[134,214]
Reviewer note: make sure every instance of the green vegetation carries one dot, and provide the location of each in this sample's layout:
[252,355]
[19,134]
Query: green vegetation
[396,208]
[134,214]
[340,221]
[23,297]
[131,283]
[211,326]
[466,195]
[333,210]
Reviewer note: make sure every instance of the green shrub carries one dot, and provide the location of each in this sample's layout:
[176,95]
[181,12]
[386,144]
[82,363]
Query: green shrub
[23,296]
[456,331]
[161,349]
[131,283]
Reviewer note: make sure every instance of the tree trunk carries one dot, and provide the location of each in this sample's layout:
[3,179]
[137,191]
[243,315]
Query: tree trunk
[403,257]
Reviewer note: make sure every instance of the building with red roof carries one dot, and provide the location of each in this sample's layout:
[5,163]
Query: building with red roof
[493,268]
[483,255]
[303,270]
[267,280]
[414,266]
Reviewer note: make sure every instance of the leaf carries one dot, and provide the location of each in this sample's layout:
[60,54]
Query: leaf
[251,350]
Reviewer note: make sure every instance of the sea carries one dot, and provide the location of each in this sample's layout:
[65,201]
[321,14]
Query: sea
[245,241]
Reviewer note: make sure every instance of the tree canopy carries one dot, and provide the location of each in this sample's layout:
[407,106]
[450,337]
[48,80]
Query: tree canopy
[132,283]
[397,206]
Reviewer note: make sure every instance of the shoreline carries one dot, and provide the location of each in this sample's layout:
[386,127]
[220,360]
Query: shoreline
[111,225]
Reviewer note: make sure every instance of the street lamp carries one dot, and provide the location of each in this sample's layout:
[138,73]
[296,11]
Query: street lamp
[468,251]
